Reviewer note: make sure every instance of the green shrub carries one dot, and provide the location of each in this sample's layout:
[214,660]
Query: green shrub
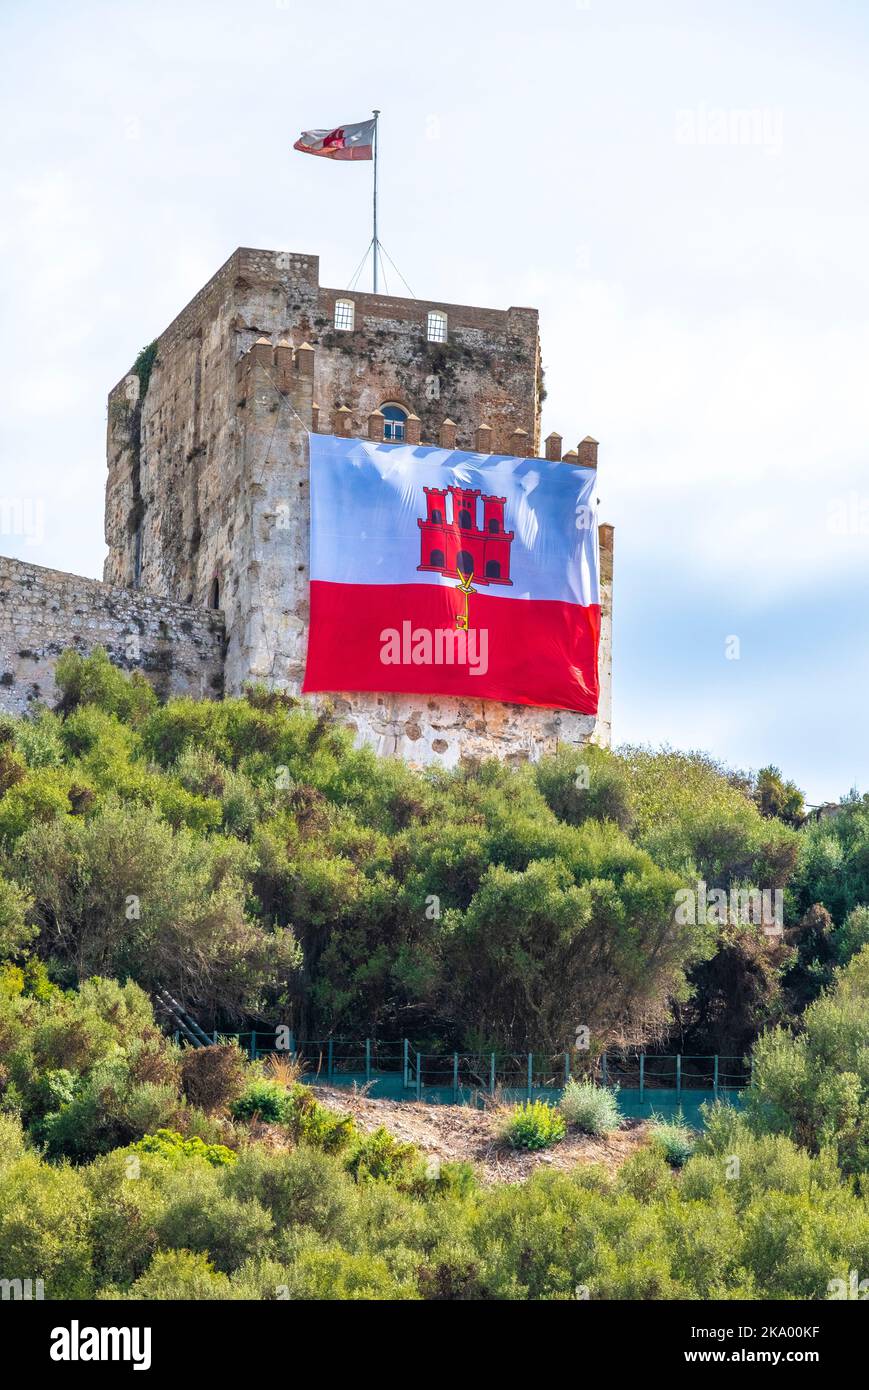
[107,1112]
[303,1188]
[833,866]
[815,1086]
[674,1139]
[453,1179]
[261,1281]
[307,1120]
[852,936]
[42,797]
[120,892]
[645,1175]
[13,1143]
[202,1216]
[379,1157]
[263,1100]
[38,738]
[179,1275]
[590,1108]
[532,1125]
[45,1227]
[586,784]
[173,1146]
[126,1205]
[93,680]
[15,932]
[326,1273]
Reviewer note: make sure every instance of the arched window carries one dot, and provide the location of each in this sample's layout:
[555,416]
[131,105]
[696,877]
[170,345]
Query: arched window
[493,569]
[436,327]
[214,593]
[493,525]
[465,562]
[395,418]
[436,559]
[345,315]
[465,519]
[437,516]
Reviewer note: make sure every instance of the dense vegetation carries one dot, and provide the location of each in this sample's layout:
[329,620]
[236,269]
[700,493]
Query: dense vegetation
[247,857]
[191,1174]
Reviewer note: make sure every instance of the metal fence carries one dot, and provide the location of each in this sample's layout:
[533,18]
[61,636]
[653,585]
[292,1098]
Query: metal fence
[401,1070]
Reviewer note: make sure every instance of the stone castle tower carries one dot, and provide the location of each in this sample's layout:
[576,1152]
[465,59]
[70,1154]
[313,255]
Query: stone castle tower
[207,502]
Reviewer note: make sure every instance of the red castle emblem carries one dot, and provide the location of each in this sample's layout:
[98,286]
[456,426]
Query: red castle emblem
[459,549]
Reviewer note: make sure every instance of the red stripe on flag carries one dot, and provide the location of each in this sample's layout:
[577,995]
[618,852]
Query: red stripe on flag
[538,651]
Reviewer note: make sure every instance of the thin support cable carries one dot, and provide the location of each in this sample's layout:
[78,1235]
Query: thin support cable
[361,266]
[397,271]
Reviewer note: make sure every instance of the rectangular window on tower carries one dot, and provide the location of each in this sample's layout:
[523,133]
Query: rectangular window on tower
[436,327]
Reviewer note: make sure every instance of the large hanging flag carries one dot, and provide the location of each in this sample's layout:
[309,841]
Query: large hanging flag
[440,572]
[344,142]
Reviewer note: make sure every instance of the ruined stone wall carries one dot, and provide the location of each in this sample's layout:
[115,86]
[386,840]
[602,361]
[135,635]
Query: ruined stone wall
[43,612]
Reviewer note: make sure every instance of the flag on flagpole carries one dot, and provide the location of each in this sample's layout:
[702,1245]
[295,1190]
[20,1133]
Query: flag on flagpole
[344,142]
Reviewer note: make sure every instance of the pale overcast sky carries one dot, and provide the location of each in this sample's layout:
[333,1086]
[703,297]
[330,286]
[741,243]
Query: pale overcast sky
[681,188]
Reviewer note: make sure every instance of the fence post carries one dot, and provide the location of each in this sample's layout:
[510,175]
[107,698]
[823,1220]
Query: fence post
[566,1067]
[367,1060]
[604,1070]
[492,1075]
[715,1077]
[419,1076]
[406,1062]
[679,1075]
[530,1073]
[292,1042]
[329,1060]
[455,1076]
[252,1049]
[642,1076]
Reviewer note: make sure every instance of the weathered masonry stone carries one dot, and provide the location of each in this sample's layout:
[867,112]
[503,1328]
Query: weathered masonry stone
[42,612]
[173,456]
[208,508]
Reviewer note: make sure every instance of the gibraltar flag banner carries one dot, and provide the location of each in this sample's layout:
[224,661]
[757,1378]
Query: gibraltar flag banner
[345,142]
[440,572]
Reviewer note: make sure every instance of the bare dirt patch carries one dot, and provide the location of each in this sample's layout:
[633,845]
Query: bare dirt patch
[461,1133]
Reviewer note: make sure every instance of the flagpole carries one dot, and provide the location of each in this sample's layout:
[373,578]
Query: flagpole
[376,242]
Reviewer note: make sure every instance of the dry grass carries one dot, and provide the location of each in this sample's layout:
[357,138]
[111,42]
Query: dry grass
[454,1132]
[285,1070]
